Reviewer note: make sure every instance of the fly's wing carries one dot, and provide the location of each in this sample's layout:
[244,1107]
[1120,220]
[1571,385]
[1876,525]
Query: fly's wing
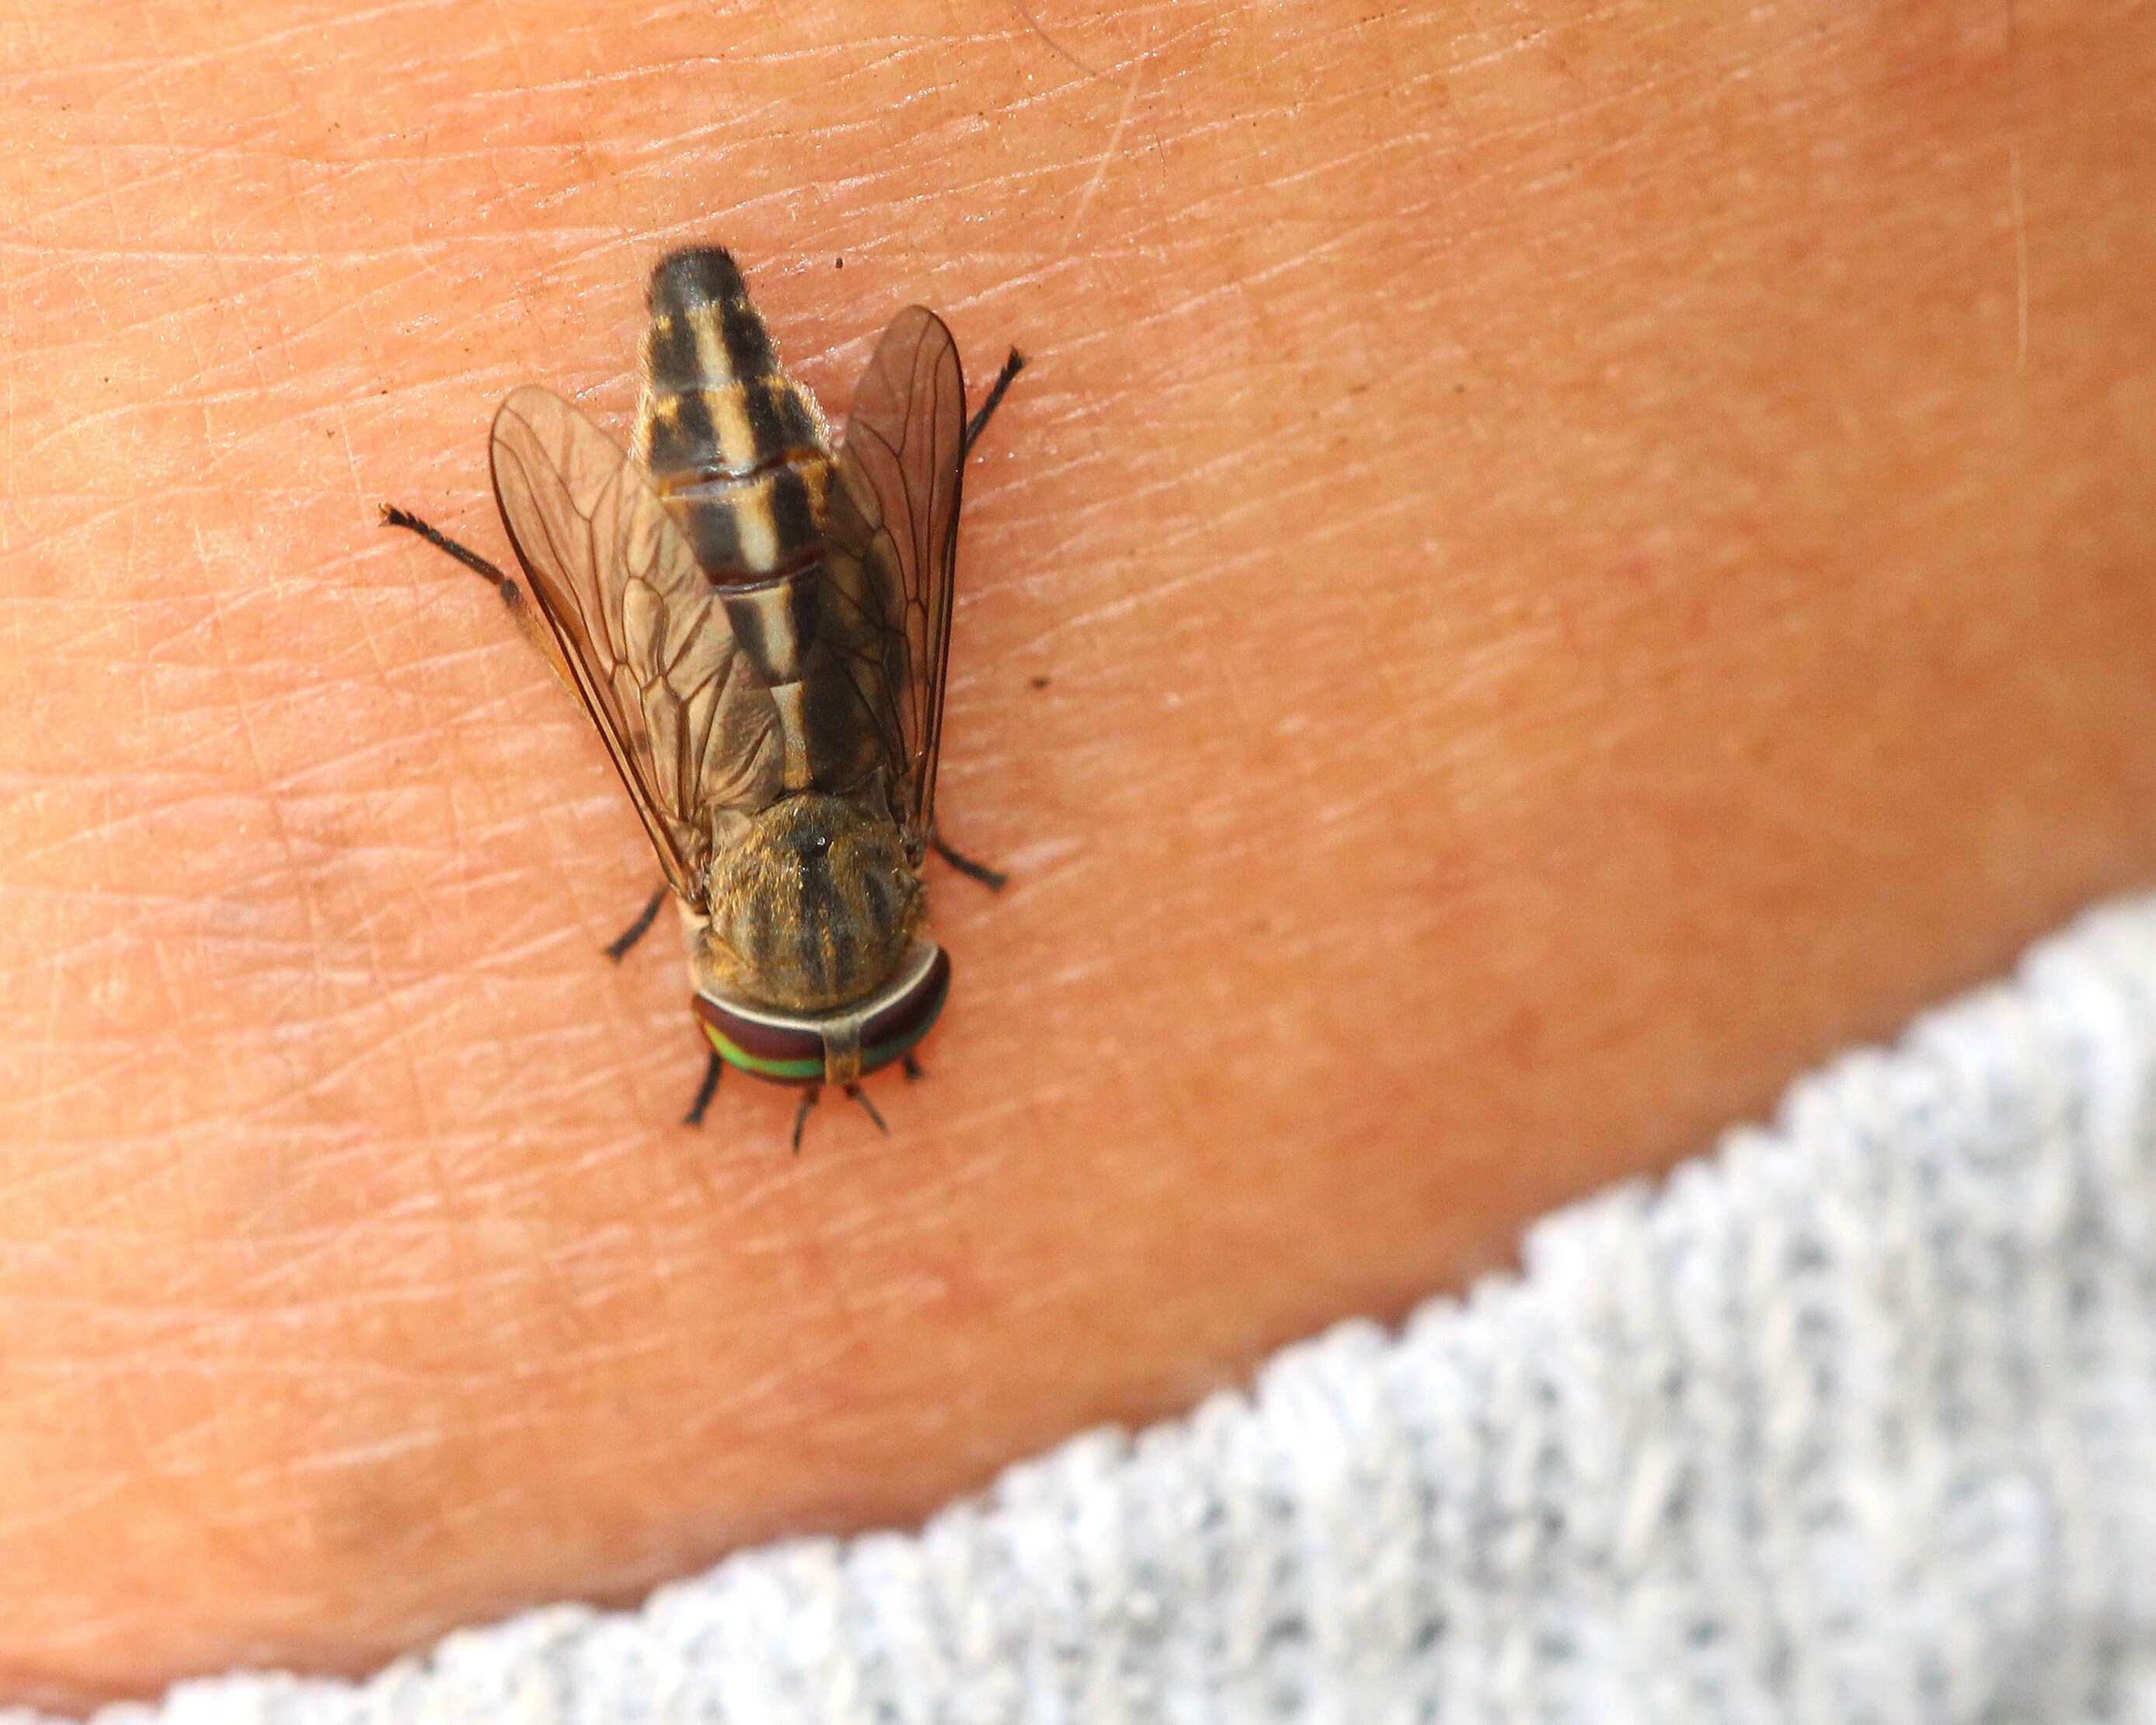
[892,542]
[691,729]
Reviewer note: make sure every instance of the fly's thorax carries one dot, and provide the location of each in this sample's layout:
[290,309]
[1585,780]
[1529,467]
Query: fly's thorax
[738,451]
[812,907]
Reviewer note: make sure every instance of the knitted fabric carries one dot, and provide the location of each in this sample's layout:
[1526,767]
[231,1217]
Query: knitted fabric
[1855,1420]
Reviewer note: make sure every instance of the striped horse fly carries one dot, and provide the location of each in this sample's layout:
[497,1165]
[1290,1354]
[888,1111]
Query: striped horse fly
[760,627]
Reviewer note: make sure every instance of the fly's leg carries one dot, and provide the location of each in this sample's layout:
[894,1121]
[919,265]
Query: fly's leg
[512,595]
[979,423]
[801,1114]
[912,1068]
[392,517]
[861,1096]
[988,877]
[966,866]
[704,1091]
[618,949]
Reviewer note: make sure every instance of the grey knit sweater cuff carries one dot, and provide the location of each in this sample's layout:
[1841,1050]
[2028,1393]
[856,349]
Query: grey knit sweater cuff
[1854,1420]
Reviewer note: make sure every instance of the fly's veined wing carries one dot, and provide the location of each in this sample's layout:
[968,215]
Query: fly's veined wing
[893,538]
[691,729]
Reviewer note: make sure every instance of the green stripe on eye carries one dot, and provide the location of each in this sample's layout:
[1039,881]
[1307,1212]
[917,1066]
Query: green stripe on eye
[812,1071]
[785,1072]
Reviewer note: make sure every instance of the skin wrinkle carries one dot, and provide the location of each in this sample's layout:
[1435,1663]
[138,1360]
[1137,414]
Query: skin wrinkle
[402,1301]
[1114,145]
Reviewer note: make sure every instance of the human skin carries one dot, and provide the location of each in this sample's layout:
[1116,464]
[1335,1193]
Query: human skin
[1550,567]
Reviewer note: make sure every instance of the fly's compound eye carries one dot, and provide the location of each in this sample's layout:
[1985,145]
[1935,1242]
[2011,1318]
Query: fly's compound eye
[788,1047]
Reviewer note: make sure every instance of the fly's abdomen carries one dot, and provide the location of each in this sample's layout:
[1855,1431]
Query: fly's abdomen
[736,447]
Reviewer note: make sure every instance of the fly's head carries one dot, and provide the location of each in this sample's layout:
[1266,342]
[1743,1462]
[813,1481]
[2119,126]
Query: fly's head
[813,906]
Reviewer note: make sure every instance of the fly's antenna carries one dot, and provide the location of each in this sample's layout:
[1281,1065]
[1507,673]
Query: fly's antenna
[861,1096]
